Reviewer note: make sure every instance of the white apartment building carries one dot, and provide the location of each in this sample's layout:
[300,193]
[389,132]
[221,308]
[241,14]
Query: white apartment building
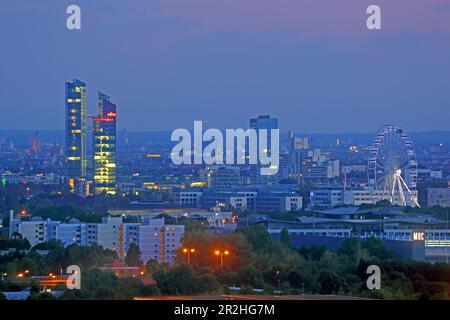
[34,231]
[155,239]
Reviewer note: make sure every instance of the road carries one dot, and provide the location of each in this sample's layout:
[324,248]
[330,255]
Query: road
[251,297]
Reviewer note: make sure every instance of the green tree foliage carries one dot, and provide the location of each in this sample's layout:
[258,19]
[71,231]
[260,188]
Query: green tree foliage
[249,275]
[49,245]
[285,239]
[133,257]
[183,280]
[41,296]
[152,266]
[67,212]
[255,260]
[100,285]
[15,244]
[332,283]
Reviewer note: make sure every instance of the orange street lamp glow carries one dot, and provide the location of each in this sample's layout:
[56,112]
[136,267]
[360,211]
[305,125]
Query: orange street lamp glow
[221,254]
[188,251]
[20,275]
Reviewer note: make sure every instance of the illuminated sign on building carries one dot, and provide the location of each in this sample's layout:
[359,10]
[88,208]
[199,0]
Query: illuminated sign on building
[419,236]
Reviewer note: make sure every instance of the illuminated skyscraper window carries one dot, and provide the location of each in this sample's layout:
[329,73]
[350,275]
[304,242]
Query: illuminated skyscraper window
[75,131]
[104,136]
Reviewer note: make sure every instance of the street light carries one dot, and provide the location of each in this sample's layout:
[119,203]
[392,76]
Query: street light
[3,276]
[221,254]
[278,281]
[188,252]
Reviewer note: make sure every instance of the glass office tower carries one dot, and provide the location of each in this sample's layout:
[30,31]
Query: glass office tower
[267,123]
[104,136]
[75,132]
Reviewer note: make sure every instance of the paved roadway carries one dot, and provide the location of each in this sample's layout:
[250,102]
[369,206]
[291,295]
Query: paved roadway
[251,297]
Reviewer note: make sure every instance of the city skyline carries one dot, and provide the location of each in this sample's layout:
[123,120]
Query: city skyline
[167,67]
[234,151]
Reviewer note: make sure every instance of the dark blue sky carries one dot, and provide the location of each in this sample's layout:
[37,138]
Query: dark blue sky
[166,63]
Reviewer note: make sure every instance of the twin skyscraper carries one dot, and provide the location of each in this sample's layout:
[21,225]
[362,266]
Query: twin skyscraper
[104,134]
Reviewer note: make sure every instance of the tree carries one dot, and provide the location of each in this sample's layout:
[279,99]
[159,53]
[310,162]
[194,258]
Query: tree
[41,296]
[49,245]
[133,257]
[376,248]
[259,238]
[249,275]
[331,283]
[180,280]
[285,239]
[150,290]
[152,266]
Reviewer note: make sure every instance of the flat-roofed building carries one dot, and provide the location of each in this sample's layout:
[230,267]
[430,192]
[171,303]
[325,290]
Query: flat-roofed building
[438,197]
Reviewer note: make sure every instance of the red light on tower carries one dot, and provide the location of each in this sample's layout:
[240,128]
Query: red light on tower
[103,119]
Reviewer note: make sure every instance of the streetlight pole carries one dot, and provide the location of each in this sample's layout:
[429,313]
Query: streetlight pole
[221,254]
[188,251]
[278,281]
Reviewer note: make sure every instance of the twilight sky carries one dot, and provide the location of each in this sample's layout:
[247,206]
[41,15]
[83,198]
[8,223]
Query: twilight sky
[311,63]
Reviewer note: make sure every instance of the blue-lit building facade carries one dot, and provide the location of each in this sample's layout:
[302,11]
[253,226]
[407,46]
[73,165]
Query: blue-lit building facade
[156,239]
[75,132]
[263,122]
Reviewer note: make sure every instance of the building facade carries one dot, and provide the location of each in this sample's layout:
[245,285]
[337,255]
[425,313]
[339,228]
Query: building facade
[264,198]
[104,142]
[263,122]
[352,197]
[75,132]
[269,202]
[222,176]
[156,239]
[438,197]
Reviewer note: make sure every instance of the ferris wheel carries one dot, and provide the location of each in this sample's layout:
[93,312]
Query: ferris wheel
[392,166]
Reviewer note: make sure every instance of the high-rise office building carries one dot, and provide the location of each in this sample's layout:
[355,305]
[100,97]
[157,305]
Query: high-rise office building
[104,140]
[75,132]
[264,122]
[298,151]
[222,176]
[267,123]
